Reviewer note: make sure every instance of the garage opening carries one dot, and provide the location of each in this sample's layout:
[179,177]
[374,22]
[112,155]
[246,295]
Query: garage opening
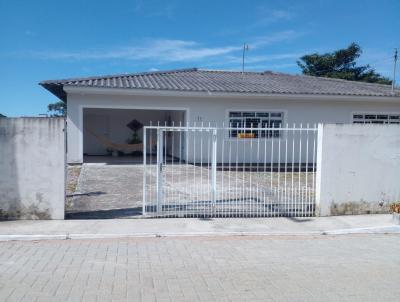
[107,133]
[109,182]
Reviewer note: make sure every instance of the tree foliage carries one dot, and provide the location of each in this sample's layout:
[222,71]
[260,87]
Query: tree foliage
[2,115]
[57,109]
[341,64]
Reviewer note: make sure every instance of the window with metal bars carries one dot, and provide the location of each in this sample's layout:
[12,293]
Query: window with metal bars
[376,118]
[244,121]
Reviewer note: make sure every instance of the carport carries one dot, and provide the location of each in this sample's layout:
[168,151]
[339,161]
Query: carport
[110,181]
[102,125]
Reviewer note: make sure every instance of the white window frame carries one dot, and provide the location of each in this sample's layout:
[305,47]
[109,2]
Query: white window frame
[283,119]
[364,121]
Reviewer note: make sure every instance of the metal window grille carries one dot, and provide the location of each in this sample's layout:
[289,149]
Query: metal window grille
[376,118]
[258,120]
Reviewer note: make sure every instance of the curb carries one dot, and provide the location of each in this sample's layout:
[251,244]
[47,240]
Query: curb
[32,237]
[367,230]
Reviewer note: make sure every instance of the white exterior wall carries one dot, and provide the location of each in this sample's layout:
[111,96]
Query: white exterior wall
[32,168]
[358,169]
[215,109]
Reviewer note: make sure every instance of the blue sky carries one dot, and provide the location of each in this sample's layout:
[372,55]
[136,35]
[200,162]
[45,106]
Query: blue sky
[48,39]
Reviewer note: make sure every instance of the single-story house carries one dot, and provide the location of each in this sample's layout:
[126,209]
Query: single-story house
[260,99]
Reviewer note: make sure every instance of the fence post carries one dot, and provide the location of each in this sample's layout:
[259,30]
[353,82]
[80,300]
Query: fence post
[214,169]
[159,176]
[144,171]
[318,178]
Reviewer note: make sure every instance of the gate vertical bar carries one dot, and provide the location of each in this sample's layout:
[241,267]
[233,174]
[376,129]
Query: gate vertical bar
[214,169]
[150,196]
[159,175]
[144,171]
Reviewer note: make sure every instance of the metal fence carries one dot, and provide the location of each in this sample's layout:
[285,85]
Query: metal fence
[206,171]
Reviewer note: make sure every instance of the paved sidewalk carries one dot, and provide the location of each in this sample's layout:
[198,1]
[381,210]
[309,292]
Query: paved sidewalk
[73,229]
[310,268]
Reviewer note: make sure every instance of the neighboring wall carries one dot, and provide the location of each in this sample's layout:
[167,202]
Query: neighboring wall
[32,168]
[358,168]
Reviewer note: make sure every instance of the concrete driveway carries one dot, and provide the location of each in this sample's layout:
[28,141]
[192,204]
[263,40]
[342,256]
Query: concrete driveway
[116,191]
[107,191]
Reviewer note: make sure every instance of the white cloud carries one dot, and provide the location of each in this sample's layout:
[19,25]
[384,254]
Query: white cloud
[30,33]
[267,16]
[167,12]
[262,17]
[150,8]
[275,38]
[281,14]
[161,50]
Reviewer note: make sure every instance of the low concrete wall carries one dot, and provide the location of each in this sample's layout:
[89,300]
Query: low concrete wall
[32,165]
[358,168]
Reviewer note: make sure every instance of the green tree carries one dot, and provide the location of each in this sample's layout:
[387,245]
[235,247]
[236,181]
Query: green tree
[57,109]
[341,64]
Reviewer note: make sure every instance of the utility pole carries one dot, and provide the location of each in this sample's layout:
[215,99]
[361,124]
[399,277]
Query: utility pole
[394,70]
[245,48]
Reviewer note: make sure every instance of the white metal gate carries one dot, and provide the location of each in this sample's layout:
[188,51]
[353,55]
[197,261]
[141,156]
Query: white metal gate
[206,171]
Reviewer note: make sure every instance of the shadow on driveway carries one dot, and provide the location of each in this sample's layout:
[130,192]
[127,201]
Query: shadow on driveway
[97,193]
[106,214]
[299,219]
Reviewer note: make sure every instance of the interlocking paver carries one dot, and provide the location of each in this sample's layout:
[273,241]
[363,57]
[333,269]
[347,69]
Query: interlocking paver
[343,268]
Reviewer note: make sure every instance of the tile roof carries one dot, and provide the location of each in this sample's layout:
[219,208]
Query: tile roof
[198,80]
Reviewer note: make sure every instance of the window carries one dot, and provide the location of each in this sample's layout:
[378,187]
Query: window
[376,118]
[248,119]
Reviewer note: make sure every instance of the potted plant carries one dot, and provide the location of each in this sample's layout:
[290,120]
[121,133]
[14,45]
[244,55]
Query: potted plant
[135,126]
[395,209]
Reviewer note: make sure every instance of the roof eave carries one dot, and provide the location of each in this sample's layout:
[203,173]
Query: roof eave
[56,89]
[178,93]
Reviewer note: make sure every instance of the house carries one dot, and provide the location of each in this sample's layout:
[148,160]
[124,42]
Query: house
[187,96]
